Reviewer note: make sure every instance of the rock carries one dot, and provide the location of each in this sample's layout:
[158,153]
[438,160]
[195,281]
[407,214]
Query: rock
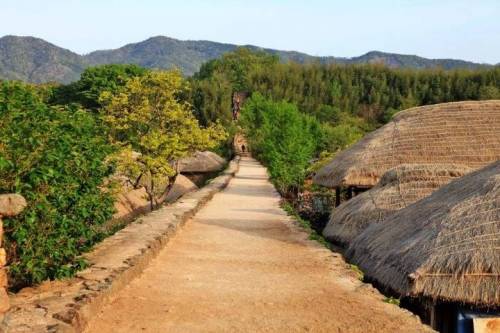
[11,204]
[181,186]
[131,202]
[202,161]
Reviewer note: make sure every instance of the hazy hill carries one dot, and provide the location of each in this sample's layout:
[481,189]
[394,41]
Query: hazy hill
[162,52]
[35,60]
[411,61]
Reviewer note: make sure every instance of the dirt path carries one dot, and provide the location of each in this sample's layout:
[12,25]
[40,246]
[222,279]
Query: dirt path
[241,266]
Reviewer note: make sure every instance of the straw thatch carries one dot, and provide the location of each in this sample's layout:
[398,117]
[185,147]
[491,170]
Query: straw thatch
[446,246]
[398,188]
[201,162]
[465,133]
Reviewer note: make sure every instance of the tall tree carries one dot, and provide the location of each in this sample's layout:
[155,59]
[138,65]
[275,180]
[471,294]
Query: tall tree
[153,128]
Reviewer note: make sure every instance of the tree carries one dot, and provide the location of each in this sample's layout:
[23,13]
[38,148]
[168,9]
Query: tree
[363,90]
[93,82]
[489,92]
[153,128]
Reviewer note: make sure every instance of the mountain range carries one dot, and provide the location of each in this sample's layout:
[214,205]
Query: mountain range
[36,60]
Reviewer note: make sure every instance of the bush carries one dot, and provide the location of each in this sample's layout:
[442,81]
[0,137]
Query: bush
[284,139]
[55,158]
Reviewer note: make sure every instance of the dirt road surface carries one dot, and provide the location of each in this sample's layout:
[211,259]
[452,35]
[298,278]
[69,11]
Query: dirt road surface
[242,265]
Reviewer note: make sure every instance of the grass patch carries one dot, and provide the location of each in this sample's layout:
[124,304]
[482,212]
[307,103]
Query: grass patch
[392,300]
[359,272]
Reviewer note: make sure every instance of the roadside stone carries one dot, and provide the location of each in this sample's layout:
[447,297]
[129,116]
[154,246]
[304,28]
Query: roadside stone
[11,204]
[181,186]
[201,161]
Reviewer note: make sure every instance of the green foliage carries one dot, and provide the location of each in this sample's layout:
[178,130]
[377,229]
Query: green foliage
[388,114]
[153,128]
[489,92]
[54,157]
[225,147]
[93,82]
[344,132]
[211,99]
[373,92]
[358,271]
[286,140]
[392,300]
[214,84]
[238,66]
[282,138]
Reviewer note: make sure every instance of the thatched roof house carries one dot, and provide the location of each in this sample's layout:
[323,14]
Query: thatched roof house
[464,133]
[446,246]
[398,188]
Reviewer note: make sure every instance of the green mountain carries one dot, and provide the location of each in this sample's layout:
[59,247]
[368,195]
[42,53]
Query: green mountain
[411,61]
[162,52]
[35,60]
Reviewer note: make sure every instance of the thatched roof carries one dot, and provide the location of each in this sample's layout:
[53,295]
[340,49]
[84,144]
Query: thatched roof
[445,246]
[464,133]
[202,161]
[398,188]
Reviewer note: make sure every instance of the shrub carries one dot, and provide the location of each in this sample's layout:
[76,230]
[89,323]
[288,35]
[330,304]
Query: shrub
[284,139]
[55,158]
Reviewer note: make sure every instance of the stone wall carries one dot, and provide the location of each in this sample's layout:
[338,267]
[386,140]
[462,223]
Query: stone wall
[67,305]
[10,205]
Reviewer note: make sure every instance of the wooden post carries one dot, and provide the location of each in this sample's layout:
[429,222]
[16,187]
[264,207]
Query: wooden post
[337,196]
[434,315]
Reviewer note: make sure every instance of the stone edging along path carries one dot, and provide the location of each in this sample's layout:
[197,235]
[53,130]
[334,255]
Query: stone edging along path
[66,306]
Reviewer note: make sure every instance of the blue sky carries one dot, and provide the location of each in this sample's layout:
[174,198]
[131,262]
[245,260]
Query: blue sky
[462,29]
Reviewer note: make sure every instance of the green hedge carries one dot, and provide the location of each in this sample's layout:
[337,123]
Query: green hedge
[54,156]
[284,139]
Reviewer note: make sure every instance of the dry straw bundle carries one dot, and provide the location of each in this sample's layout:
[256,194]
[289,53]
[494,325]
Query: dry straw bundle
[398,188]
[463,133]
[445,246]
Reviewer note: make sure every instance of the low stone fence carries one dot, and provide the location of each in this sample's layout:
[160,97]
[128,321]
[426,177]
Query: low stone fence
[66,306]
[10,205]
